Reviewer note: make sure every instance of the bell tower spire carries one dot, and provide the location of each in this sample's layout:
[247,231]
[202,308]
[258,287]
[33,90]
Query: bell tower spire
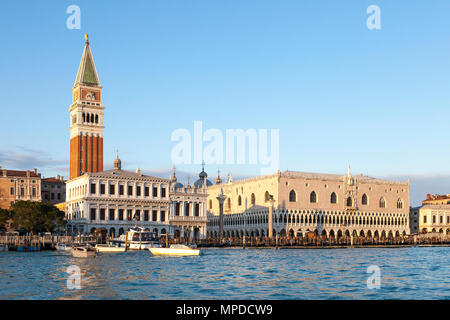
[86,118]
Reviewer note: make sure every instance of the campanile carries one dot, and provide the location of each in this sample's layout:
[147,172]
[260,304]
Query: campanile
[86,119]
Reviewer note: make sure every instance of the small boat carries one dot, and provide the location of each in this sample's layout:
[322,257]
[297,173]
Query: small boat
[84,252]
[175,250]
[109,248]
[138,239]
[63,247]
[3,247]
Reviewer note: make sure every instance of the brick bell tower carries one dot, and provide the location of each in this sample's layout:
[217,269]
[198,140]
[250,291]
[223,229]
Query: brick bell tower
[86,119]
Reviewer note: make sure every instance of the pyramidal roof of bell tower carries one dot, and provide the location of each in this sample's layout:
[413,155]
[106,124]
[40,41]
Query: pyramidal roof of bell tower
[87,73]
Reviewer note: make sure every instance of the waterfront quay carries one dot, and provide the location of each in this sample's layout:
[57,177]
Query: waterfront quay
[428,239]
[38,243]
[48,242]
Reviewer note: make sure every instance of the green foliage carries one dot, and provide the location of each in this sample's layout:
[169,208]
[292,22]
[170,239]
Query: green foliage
[4,217]
[36,216]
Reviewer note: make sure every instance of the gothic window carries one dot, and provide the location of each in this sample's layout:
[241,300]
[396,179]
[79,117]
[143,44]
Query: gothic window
[239,201]
[210,204]
[266,196]
[313,197]
[364,199]
[382,203]
[253,200]
[349,202]
[84,117]
[92,118]
[292,196]
[197,210]
[229,204]
[333,198]
[96,118]
[399,204]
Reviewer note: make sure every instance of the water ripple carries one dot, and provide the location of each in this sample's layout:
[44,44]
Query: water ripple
[406,273]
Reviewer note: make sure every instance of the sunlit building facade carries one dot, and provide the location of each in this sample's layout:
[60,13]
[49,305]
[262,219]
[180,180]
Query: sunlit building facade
[325,204]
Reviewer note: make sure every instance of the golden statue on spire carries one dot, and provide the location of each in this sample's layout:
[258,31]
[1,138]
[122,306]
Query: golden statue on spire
[86,36]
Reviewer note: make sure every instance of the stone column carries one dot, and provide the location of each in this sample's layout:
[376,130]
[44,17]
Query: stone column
[221,198]
[270,216]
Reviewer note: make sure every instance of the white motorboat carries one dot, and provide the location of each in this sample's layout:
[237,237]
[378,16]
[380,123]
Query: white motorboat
[110,248]
[84,252]
[176,250]
[3,247]
[138,239]
[63,247]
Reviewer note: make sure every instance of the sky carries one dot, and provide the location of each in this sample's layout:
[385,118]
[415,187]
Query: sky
[339,93]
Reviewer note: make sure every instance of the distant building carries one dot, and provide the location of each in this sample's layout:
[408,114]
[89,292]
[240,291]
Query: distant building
[116,200]
[53,190]
[436,199]
[188,207]
[86,119]
[434,215]
[16,185]
[414,217]
[328,205]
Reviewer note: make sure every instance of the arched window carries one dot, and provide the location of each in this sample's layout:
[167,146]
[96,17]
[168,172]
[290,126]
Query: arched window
[333,198]
[313,197]
[292,196]
[92,118]
[84,117]
[349,202]
[239,201]
[266,196]
[399,204]
[96,118]
[229,203]
[382,203]
[364,199]
[210,204]
[253,200]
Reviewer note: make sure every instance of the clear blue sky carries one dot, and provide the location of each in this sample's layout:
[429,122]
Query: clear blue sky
[338,92]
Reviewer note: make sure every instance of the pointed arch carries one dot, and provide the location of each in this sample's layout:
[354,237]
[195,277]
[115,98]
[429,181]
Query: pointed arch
[349,202]
[364,200]
[266,196]
[253,199]
[239,201]
[292,196]
[382,202]
[399,203]
[333,198]
[313,197]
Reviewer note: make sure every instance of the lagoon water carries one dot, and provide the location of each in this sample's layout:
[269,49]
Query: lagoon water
[406,273]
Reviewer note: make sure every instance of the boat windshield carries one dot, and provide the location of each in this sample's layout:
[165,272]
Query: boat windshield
[179,246]
[143,236]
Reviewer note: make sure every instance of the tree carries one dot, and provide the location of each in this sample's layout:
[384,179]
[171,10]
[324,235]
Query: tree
[4,217]
[36,216]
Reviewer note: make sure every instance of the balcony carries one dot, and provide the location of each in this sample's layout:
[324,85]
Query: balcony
[188,218]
